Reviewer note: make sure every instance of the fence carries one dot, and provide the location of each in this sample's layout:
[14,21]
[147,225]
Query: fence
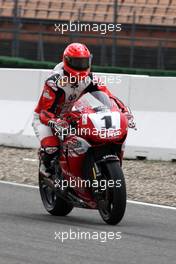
[36,46]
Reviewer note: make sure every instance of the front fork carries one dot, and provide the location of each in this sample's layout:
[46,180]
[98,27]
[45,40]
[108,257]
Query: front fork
[97,173]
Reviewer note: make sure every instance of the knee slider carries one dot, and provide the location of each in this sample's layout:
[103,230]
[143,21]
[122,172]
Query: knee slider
[51,150]
[48,152]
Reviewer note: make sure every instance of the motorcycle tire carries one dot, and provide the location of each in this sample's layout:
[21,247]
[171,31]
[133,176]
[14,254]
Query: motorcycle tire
[52,203]
[115,197]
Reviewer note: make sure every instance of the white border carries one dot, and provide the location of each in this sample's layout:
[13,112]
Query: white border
[129,201]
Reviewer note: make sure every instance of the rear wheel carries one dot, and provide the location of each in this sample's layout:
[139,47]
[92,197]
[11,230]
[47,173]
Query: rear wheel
[113,204]
[52,203]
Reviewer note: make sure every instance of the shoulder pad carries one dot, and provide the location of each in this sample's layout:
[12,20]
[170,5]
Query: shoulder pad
[53,80]
[58,68]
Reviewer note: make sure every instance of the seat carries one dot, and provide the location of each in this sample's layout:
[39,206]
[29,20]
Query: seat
[124,9]
[42,14]
[81,1]
[43,4]
[31,4]
[101,8]
[77,16]
[99,17]
[22,4]
[160,11]
[173,2]
[55,5]
[78,5]
[7,4]
[87,16]
[68,5]
[106,1]
[89,7]
[157,20]
[152,2]
[145,19]
[65,15]
[171,11]
[7,12]
[130,2]
[137,9]
[148,10]
[53,14]
[141,2]
[29,13]
[110,9]
[130,18]
[169,21]
[108,18]
[164,2]
[122,18]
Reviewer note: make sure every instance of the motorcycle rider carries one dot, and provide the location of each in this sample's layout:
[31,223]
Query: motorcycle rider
[70,79]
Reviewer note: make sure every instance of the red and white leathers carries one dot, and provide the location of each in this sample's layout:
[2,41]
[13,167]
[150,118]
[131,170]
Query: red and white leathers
[59,96]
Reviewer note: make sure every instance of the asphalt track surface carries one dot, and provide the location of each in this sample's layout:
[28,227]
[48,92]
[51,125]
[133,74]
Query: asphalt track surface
[27,233]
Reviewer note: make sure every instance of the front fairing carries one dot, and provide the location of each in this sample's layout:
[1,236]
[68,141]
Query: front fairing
[100,118]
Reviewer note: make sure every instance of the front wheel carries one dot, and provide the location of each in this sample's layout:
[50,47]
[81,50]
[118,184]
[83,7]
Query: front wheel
[112,206]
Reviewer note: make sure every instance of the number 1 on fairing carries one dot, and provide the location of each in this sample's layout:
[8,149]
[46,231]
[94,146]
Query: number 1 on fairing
[108,122]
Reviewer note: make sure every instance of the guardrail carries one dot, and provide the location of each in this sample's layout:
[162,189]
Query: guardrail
[152,99]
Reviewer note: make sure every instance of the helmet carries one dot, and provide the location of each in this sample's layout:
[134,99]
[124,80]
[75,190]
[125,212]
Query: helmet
[77,60]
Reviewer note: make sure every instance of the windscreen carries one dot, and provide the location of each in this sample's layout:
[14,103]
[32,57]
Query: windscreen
[96,100]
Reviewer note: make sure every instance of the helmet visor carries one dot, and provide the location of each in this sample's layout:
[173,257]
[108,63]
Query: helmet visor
[78,63]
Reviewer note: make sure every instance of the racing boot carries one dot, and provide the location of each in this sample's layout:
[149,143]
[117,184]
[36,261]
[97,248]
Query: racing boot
[47,157]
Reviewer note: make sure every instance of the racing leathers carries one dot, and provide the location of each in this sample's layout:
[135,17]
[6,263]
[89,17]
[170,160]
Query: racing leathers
[58,96]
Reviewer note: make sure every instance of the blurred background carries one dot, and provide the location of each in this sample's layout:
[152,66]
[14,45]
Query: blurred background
[147,39]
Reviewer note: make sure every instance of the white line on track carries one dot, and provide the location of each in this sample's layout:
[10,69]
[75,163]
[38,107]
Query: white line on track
[19,184]
[129,201]
[152,205]
[29,159]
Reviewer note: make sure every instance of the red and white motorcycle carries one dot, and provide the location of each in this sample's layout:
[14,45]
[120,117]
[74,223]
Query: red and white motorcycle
[88,171]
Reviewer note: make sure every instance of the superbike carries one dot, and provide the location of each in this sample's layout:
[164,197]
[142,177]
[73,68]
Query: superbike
[87,173]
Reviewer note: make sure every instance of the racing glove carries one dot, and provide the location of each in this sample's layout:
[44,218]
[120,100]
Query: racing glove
[45,116]
[130,117]
[61,127]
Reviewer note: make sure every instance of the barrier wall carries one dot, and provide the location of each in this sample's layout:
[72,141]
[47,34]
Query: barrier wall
[152,100]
